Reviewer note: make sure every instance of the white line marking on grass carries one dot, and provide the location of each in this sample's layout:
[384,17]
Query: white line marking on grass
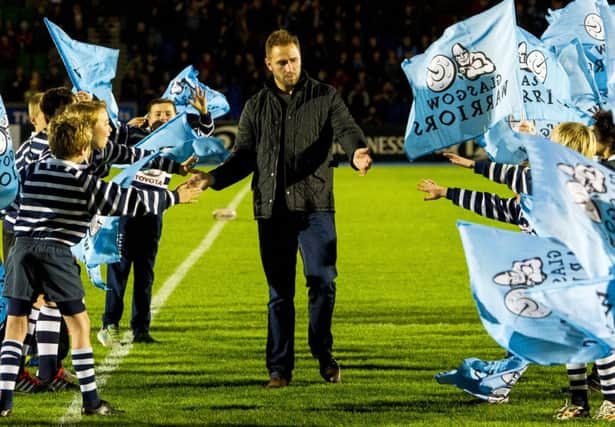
[114,358]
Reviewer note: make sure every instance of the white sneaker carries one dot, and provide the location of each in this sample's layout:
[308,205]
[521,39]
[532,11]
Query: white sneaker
[606,411]
[109,335]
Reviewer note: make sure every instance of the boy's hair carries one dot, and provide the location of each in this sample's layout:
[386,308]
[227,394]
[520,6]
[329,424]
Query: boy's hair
[34,101]
[160,101]
[54,100]
[604,128]
[576,136]
[68,135]
[87,111]
[280,38]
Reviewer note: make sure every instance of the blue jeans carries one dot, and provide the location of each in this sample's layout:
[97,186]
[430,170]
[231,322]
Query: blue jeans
[280,237]
[141,237]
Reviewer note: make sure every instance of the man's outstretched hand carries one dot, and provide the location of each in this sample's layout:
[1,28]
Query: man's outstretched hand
[362,160]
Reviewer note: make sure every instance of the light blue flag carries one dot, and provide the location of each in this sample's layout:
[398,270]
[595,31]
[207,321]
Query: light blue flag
[584,90]
[503,265]
[210,150]
[608,18]
[465,82]
[501,144]
[580,19]
[488,380]
[90,67]
[4,302]
[572,200]
[101,245]
[545,86]
[9,180]
[181,90]
[542,78]
[588,304]
[172,137]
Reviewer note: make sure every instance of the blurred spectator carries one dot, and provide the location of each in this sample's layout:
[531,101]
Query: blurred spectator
[8,52]
[34,85]
[55,76]
[18,83]
[357,47]
[358,101]
[132,86]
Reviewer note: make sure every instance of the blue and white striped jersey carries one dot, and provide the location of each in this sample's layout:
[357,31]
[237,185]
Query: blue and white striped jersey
[58,199]
[37,150]
[490,206]
[32,150]
[117,154]
[516,177]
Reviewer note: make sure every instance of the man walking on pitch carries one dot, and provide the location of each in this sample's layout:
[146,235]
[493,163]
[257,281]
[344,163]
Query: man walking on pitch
[285,138]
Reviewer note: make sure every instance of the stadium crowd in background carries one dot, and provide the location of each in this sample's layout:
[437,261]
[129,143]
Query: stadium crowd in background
[358,49]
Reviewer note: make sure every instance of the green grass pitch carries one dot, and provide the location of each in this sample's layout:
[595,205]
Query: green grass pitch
[404,313]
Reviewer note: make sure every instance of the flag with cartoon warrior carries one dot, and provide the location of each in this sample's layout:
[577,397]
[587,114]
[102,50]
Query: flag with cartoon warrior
[573,200]
[586,304]
[608,17]
[583,20]
[504,267]
[545,86]
[464,82]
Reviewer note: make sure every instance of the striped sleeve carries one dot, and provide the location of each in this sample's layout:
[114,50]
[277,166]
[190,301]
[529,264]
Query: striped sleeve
[164,164]
[113,154]
[121,154]
[488,205]
[108,198]
[22,156]
[516,177]
[34,149]
[203,124]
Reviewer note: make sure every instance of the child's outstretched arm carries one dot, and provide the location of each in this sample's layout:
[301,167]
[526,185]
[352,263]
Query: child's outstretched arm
[458,160]
[433,190]
[485,204]
[516,177]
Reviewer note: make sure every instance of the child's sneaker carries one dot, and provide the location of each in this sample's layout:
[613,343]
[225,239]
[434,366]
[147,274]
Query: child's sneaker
[62,381]
[27,383]
[606,411]
[69,376]
[569,411]
[109,335]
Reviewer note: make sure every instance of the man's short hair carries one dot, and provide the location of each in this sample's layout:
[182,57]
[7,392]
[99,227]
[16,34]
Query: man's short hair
[280,38]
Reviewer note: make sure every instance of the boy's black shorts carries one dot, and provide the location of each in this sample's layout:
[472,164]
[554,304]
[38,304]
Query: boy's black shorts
[37,266]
